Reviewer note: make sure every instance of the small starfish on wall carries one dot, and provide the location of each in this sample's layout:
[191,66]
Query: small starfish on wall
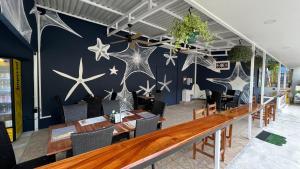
[109,94]
[170,58]
[100,50]
[113,71]
[165,84]
[79,80]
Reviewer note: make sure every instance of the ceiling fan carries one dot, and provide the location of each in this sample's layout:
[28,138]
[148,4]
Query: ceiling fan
[131,38]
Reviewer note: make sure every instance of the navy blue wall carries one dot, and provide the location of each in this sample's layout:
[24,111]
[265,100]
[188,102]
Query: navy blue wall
[62,50]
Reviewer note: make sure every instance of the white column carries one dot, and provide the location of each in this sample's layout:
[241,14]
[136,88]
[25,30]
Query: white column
[38,70]
[251,90]
[278,87]
[217,149]
[262,88]
[279,78]
[195,76]
[284,78]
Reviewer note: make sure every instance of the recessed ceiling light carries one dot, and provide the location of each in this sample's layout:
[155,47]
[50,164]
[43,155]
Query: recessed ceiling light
[269,21]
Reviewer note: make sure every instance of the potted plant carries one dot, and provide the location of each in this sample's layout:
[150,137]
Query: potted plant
[240,53]
[189,29]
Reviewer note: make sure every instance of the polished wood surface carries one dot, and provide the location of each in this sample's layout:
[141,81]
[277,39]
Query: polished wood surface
[131,153]
[63,145]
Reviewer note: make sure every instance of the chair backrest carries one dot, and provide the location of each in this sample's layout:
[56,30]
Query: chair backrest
[254,100]
[216,97]
[110,105]
[208,95]
[94,107]
[87,141]
[158,108]
[158,96]
[237,97]
[146,125]
[60,108]
[211,109]
[75,112]
[7,155]
[230,92]
[199,113]
[113,96]
[135,100]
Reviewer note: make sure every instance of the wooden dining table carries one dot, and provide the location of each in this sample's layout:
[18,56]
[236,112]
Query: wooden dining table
[63,145]
[141,151]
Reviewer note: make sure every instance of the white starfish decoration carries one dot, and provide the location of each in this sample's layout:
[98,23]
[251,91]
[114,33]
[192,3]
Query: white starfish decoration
[165,84]
[170,58]
[126,99]
[79,80]
[108,96]
[113,71]
[51,18]
[100,50]
[208,62]
[147,90]
[136,60]
[238,80]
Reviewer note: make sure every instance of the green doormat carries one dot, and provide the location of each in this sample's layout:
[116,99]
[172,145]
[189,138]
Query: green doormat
[271,138]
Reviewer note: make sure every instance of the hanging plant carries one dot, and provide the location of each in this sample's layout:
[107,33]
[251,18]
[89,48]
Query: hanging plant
[189,30]
[240,53]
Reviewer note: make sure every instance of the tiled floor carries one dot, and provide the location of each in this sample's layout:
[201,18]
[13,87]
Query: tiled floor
[262,155]
[32,145]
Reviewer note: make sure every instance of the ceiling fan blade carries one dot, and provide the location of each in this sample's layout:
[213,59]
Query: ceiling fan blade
[119,36]
[119,41]
[142,42]
[137,35]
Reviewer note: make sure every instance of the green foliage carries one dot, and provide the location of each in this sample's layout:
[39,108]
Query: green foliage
[240,53]
[189,29]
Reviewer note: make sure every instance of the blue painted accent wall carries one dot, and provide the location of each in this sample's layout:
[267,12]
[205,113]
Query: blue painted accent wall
[62,50]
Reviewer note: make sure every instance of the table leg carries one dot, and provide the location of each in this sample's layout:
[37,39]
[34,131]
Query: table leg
[217,148]
[249,126]
[261,118]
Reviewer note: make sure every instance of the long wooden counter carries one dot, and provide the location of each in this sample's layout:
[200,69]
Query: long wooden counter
[139,151]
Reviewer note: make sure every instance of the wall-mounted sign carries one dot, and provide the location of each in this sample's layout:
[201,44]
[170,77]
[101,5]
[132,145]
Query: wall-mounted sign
[223,65]
[17,83]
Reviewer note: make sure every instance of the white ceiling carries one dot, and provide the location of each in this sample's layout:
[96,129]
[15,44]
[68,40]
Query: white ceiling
[281,39]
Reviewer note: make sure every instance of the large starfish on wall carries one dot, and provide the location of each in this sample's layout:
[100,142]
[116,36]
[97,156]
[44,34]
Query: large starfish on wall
[238,80]
[126,99]
[100,50]
[79,80]
[51,18]
[208,61]
[136,60]
[165,84]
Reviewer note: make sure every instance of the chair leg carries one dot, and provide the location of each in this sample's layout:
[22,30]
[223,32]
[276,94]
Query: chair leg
[153,166]
[223,144]
[194,151]
[230,136]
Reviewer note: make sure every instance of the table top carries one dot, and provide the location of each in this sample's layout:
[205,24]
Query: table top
[55,147]
[136,151]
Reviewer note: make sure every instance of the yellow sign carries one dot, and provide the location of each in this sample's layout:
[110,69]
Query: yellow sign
[17,97]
